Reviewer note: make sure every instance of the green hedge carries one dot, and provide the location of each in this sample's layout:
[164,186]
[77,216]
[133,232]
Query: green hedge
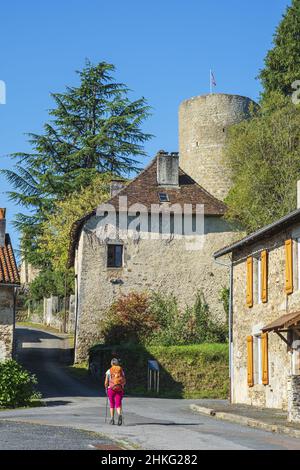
[195,371]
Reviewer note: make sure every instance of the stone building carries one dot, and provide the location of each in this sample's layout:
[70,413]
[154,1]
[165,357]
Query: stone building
[265,316]
[9,281]
[108,268]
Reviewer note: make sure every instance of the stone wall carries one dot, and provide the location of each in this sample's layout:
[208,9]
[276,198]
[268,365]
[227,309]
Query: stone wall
[249,321]
[28,273]
[203,123]
[6,322]
[54,313]
[293,390]
[160,265]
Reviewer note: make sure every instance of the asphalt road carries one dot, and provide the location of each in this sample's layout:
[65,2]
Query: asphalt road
[149,423]
[24,436]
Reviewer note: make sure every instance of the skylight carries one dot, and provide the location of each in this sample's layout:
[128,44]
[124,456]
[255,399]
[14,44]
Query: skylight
[163,197]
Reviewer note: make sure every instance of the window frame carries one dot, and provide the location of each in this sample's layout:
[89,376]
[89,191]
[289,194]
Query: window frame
[259,283]
[114,246]
[257,359]
[295,366]
[163,193]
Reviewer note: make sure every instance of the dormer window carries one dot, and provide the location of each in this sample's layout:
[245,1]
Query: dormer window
[163,197]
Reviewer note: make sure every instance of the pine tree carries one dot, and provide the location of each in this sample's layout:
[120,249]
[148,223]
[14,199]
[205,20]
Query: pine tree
[282,63]
[94,128]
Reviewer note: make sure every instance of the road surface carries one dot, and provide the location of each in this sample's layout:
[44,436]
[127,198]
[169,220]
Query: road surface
[150,423]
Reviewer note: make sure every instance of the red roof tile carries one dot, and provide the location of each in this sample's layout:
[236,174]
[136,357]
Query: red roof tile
[9,273]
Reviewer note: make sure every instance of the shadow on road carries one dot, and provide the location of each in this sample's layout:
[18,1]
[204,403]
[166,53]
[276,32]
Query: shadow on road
[47,356]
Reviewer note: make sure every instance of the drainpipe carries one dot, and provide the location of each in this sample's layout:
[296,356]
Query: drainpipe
[230,318]
[76,315]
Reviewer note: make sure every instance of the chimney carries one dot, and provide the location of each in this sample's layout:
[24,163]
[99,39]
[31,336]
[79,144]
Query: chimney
[2,227]
[116,186]
[298,194]
[167,168]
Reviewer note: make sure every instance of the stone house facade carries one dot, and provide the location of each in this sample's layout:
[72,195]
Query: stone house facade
[106,266]
[9,282]
[163,263]
[265,316]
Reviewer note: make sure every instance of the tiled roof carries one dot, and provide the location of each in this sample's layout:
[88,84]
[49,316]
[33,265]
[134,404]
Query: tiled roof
[262,233]
[145,190]
[9,273]
[283,322]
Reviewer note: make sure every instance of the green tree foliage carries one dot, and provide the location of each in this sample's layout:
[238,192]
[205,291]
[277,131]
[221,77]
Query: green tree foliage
[94,128]
[50,282]
[282,63]
[54,240]
[264,156]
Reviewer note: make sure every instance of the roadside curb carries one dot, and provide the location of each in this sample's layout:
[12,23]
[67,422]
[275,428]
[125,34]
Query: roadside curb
[244,420]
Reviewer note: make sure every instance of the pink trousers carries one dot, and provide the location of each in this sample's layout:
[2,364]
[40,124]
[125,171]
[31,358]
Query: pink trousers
[115,398]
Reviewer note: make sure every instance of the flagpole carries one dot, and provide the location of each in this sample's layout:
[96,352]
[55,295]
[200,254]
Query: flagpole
[210,82]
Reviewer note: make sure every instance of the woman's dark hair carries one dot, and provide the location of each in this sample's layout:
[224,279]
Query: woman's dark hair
[115,362]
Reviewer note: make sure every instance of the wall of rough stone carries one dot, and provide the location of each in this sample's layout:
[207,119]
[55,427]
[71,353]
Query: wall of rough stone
[160,265]
[293,390]
[249,321]
[6,322]
[203,124]
[28,273]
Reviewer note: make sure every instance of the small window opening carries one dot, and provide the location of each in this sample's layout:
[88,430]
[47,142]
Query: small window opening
[114,256]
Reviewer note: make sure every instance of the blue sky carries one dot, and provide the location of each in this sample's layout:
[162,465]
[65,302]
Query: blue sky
[163,50]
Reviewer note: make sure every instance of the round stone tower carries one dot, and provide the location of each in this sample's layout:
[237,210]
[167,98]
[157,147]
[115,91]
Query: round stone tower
[203,122]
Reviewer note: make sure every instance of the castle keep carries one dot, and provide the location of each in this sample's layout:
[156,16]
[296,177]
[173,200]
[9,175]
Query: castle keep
[203,123]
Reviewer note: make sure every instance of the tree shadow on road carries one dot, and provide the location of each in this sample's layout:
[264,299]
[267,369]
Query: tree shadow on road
[47,356]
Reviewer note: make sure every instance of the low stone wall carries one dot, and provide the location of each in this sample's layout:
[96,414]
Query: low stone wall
[293,388]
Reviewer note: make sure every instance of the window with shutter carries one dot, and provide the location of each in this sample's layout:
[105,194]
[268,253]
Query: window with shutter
[289,266]
[264,276]
[249,299]
[250,361]
[264,358]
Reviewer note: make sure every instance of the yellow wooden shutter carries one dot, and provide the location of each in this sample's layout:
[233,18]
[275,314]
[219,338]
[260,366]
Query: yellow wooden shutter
[250,361]
[264,357]
[289,266]
[250,281]
[264,276]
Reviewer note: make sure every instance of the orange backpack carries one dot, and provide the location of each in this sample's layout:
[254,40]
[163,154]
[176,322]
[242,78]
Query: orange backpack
[117,379]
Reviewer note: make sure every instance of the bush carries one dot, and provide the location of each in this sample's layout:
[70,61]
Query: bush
[190,326]
[129,319]
[157,319]
[16,385]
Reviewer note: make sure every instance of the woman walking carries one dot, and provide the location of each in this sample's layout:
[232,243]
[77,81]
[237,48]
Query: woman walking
[114,385]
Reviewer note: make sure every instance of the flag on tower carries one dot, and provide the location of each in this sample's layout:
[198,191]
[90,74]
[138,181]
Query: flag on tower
[213,82]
